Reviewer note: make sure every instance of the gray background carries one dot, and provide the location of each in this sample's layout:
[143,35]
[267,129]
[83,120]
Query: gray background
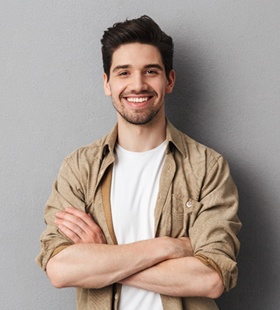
[227,96]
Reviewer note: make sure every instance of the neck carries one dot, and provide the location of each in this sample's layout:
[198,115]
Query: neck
[141,138]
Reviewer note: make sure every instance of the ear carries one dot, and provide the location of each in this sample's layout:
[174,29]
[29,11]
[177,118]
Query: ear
[106,85]
[170,82]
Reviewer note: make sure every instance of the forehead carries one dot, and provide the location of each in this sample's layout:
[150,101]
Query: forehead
[136,54]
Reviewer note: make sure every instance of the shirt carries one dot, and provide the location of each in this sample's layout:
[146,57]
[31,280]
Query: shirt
[132,203]
[197,198]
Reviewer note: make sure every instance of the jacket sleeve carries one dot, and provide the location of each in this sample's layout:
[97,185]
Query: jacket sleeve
[66,191]
[214,232]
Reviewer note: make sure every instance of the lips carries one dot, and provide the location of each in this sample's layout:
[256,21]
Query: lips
[138,101]
[138,98]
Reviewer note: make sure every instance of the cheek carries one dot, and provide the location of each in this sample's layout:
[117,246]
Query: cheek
[160,87]
[161,91]
[117,89]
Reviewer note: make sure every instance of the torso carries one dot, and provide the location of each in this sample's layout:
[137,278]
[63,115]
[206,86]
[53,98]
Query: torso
[134,190]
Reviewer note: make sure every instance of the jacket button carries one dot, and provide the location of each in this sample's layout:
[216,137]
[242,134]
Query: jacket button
[189,204]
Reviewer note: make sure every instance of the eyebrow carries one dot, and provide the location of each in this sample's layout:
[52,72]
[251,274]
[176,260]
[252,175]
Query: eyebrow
[154,66]
[120,67]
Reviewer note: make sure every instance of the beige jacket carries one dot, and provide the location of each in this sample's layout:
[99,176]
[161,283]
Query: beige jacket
[197,198]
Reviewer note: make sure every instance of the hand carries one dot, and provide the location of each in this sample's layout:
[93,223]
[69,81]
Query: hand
[79,226]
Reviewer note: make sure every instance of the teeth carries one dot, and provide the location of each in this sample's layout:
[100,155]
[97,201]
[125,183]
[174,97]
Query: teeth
[142,99]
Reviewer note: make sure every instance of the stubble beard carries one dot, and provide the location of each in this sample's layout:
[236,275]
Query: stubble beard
[138,117]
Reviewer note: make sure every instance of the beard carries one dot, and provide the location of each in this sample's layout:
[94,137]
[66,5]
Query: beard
[137,117]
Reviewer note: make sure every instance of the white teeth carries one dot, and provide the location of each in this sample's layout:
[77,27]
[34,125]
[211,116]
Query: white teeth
[142,99]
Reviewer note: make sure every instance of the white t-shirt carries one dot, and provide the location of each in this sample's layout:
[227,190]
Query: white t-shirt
[134,190]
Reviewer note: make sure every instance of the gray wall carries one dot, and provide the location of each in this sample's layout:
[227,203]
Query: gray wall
[227,96]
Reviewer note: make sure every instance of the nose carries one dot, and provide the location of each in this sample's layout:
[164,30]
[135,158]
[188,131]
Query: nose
[138,83]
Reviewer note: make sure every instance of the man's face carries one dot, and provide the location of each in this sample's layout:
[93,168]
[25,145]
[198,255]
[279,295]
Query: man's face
[138,83]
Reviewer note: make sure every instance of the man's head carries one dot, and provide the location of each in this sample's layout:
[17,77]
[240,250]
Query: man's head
[141,30]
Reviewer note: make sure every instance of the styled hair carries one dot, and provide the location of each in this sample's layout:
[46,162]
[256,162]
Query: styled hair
[140,30]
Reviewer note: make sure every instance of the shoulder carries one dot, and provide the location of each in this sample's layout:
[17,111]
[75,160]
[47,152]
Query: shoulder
[193,152]
[87,155]
[198,152]
[95,151]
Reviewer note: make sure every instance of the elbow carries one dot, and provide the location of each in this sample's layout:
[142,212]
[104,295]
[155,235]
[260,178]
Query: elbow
[54,274]
[216,286]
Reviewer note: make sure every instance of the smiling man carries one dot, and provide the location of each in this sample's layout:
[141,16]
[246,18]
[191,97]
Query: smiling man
[138,83]
[146,217]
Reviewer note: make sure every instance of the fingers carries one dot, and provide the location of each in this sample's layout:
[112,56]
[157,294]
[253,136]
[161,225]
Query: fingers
[79,226]
[80,215]
[69,233]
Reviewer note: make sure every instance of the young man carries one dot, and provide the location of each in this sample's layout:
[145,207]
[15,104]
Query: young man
[145,218]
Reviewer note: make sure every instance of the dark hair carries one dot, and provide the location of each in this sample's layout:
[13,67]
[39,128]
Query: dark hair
[140,30]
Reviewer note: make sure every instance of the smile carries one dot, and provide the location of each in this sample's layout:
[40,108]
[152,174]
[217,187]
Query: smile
[137,99]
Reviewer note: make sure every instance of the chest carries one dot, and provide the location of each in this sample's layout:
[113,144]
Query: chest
[133,195]
[174,205]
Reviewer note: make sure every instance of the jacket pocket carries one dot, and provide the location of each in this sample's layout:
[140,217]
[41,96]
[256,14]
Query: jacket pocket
[183,214]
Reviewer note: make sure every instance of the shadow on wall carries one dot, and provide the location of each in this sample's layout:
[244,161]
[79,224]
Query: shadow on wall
[191,96]
[254,288]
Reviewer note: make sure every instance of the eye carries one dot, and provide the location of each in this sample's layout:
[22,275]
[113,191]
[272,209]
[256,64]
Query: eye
[123,73]
[152,72]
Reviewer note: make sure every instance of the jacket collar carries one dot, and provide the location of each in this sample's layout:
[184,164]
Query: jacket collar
[173,138]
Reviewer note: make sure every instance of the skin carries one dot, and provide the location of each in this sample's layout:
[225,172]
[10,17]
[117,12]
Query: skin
[137,72]
[137,85]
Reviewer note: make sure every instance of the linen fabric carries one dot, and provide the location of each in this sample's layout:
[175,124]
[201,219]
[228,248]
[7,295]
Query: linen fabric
[197,198]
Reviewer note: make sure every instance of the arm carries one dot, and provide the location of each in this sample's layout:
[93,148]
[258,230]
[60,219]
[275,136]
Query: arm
[91,263]
[186,276]
[150,269]
[213,236]
[99,265]
[214,230]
